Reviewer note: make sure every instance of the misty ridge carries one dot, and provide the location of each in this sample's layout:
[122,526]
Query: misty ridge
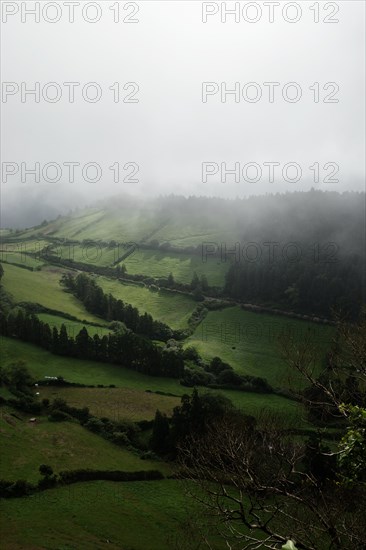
[302,251]
[316,216]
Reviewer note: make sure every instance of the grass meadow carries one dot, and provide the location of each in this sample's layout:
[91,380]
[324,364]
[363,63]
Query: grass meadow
[42,363]
[155,263]
[172,308]
[140,515]
[249,341]
[63,445]
[115,403]
[43,287]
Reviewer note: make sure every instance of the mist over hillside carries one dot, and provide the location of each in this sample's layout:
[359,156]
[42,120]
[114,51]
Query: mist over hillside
[21,208]
[326,217]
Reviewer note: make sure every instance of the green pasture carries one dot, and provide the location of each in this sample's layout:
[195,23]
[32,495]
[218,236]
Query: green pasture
[249,342]
[43,287]
[63,445]
[140,515]
[42,363]
[174,309]
[156,263]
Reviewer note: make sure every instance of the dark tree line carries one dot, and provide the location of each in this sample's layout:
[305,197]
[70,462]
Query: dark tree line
[122,348]
[112,309]
[304,286]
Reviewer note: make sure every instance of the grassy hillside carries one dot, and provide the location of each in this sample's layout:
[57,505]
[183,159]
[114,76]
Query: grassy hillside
[114,403]
[63,445]
[95,515]
[93,254]
[122,225]
[249,341]
[155,263]
[21,259]
[42,363]
[43,287]
[171,308]
[127,220]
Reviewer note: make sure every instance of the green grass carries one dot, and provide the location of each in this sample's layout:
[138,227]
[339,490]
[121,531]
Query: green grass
[122,225]
[92,254]
[143,515]
[141,223]
[155,263]
[22,243]
[43,287]
[249,342]
[63,445]
[66,227]
[114,403]
[42,363]
[72,327]
[22,259]
[183,236]
[171,308]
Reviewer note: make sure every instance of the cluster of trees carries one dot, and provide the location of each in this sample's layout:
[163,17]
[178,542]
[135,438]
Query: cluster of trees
[108,307]
[304,286]
[198,285]
[192,416]
[17,377]
[218,374]
[122,348]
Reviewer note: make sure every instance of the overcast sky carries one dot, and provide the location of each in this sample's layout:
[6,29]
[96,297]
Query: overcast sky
[170,131]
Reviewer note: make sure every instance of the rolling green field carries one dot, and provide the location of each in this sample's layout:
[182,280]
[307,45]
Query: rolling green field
[142,515]
[139,223]
[72,327]
[62,445]
[21,244]
[92,254]
[42,363]
[249,341]
[22,259]
[98,224]
[134,515]
[114,403]
[196,234]
[155,263]
[133,404]
[18,252]
[43,287]
[171,308]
